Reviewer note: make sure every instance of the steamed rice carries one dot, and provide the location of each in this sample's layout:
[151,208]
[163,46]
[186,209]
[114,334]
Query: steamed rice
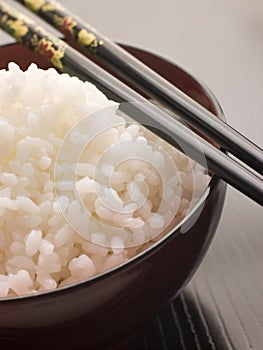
[130,184]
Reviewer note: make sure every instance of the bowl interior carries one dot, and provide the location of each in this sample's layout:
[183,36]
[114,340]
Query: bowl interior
[180,78]
[77,314]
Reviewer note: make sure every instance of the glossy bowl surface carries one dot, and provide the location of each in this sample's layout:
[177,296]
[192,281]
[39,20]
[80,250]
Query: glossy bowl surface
[101,313]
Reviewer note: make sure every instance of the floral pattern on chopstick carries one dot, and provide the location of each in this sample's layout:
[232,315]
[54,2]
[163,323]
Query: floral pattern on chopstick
[34,5]
[46,48]
[86,39]
[56,15]
[66,24]
[25,31]
[16,28]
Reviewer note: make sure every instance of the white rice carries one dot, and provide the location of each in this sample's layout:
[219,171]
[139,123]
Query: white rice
[129,183]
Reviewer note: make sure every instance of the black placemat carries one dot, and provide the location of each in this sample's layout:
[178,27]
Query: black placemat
[222,307]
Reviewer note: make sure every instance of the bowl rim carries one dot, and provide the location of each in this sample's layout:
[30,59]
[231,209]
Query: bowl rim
[174,231]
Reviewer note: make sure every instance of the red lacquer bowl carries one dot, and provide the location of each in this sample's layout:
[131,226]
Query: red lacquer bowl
[101,313]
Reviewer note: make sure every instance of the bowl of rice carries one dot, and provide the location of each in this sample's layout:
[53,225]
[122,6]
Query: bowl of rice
[101,222]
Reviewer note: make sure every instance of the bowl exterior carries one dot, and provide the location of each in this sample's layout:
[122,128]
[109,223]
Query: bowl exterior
[98,313]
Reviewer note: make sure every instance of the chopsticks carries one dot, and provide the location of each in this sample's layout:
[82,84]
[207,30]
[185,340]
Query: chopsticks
[148,81]
[65,58]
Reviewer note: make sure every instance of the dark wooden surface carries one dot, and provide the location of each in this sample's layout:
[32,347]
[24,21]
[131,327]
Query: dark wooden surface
[221,42]
[222,307]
